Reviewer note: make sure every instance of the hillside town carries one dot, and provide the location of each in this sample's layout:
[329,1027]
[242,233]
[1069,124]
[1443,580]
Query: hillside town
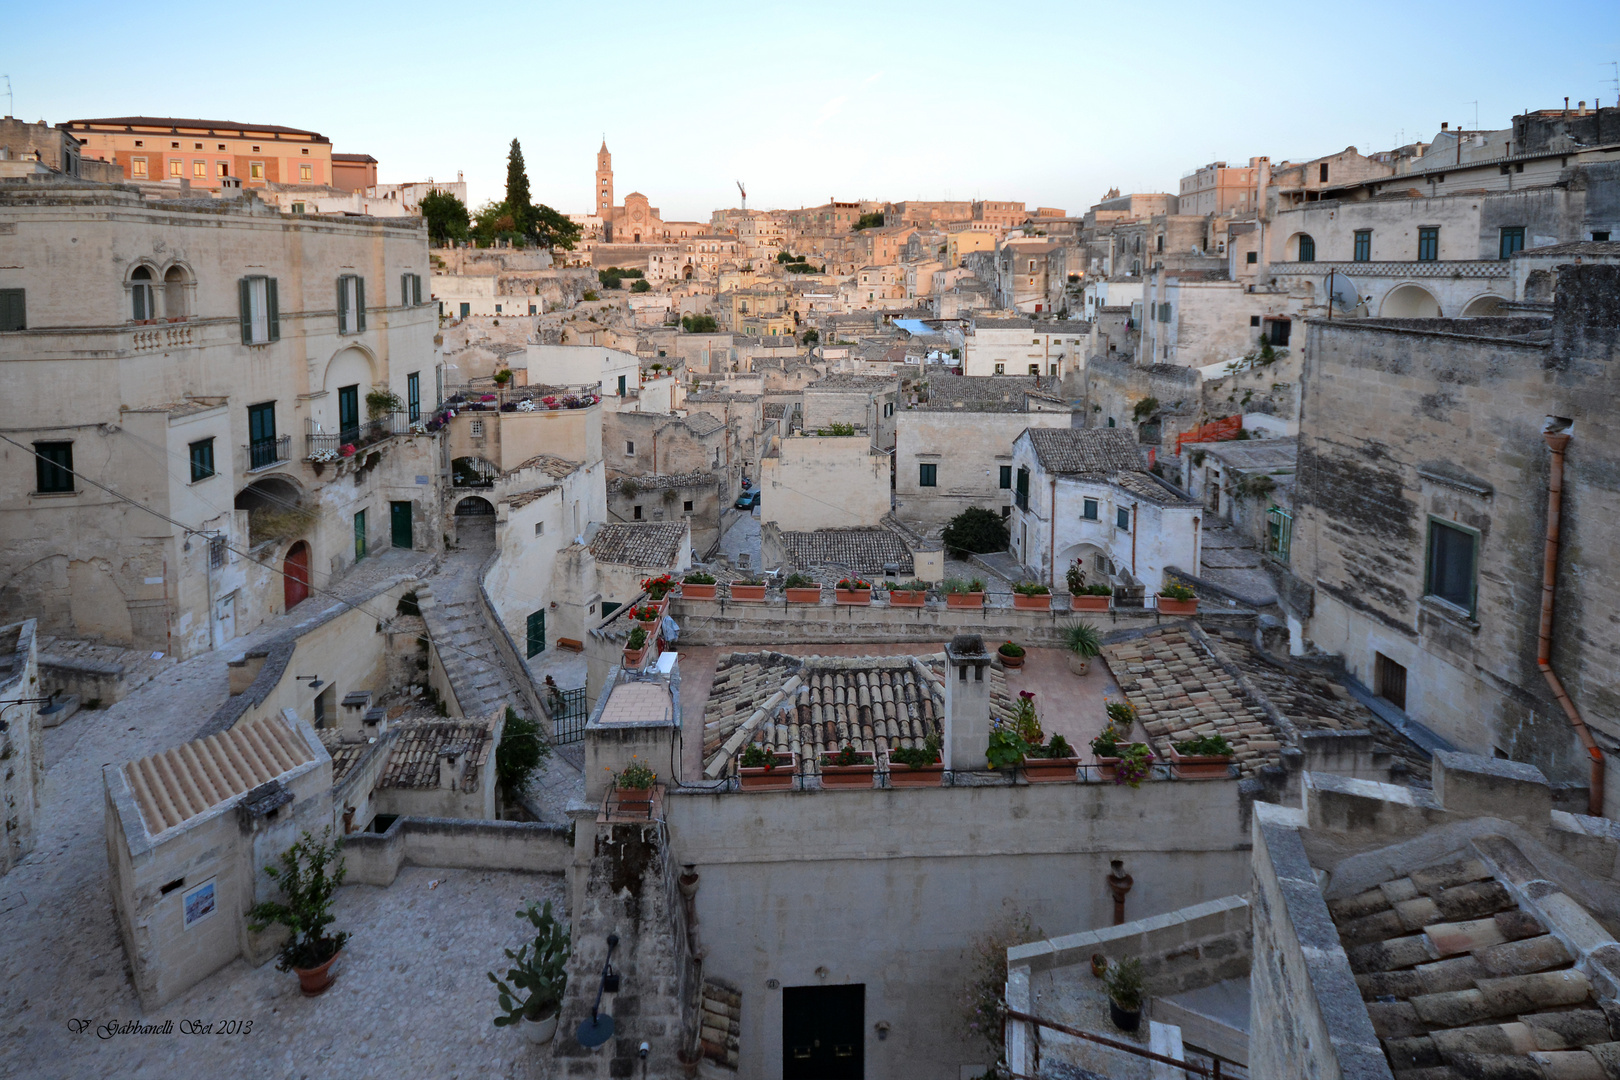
[396,592]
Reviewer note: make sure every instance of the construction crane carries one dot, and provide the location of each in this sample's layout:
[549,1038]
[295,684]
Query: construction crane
[744,194]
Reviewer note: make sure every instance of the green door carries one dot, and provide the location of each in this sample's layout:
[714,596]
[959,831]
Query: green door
[537,633]
[399,524]
[349,413]
[359,536]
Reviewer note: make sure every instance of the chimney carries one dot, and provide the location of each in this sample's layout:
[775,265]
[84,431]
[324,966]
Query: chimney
[450,768]
[967,703]
[1444,126]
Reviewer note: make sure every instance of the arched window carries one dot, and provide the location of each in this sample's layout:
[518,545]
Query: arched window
[174,293]
[1307,248]
[140,294]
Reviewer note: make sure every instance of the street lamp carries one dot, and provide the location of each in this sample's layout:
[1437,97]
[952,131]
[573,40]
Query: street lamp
[598,1029]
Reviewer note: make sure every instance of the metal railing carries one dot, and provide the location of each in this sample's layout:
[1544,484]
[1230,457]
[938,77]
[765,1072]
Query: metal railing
[263,453]
[1191,1068]
[360,435]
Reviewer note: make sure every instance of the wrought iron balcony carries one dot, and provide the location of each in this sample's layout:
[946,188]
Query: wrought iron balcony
[263,453]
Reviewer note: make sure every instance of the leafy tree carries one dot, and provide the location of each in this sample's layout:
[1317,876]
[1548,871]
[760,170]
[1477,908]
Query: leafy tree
[812,336]
[610,278]
[495,221]
[866,221]
[799,268]
[446,217]
[977,530]
[552,229]
[517,190]
[699,324]
[641,285]
[521,751]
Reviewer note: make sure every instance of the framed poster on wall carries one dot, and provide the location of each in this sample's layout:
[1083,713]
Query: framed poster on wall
[199,903]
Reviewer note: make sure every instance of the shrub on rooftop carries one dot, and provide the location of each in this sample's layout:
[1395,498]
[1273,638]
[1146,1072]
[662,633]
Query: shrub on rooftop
[976,530]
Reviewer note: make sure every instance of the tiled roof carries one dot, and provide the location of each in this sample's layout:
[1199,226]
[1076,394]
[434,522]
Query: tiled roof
[414,760]
[660,483]
[175,122]
[1248,454]
[524,498]
[1180,690]
[977,393]
[855,382]
[345,755]
[855,550]
[775,410]
[702,423]
[1087,450]
[1070,326]
[648,544]
[1459,981]
[553,466]
[1146,486]
[178,784]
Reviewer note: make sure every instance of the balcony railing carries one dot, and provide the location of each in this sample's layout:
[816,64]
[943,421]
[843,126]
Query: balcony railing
[263,453]
[330,444]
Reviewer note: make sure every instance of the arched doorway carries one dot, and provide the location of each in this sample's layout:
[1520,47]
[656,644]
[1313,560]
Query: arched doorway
[688,272]
[475,522]
[474,506]
[295,575]
[1409,302]
[1484,307]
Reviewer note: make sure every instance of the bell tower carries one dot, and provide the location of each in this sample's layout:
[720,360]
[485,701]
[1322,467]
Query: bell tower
[604,182]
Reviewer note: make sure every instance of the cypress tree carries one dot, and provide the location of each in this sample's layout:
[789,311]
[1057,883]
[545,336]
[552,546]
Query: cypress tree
[517,191]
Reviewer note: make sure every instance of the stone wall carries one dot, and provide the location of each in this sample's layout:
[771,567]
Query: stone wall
[527,846]
[22,745]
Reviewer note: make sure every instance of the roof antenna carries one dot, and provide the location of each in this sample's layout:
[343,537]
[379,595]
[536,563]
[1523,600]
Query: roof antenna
[11,102]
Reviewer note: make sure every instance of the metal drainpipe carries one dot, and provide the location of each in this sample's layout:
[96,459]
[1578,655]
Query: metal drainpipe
[1556,442]
[1051,542]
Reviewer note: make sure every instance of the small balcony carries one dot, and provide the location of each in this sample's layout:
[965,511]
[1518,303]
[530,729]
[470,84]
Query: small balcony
[328,446]
[265,453]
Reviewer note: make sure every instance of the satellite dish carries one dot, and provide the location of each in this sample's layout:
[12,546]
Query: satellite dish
[1342,293]
[594,1031]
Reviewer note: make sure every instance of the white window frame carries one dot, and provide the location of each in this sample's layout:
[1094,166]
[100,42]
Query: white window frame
[259,309]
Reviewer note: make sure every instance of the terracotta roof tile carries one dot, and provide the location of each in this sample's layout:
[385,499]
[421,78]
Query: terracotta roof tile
[852,551]
[178,784]
[414,760]
[648,544]
[1087,450]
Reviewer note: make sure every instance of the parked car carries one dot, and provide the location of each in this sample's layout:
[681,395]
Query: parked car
[747,500]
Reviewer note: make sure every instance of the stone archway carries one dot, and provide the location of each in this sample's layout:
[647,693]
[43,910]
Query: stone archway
[475,522]
[1409,301]
[1488,306]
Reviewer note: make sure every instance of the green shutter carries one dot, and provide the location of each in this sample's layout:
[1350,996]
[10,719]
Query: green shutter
[244,290]
[342,304]
[272,309]
[405,289]
[360,303]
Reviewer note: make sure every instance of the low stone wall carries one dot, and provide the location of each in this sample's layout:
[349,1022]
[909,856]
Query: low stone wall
[534,847]
[1180,950]
[775,622]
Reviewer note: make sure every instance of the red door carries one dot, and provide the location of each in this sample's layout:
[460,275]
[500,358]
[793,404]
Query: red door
[295,583]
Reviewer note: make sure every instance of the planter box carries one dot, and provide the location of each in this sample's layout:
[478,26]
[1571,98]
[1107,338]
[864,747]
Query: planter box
[1168,606]
[1043,602]
[777,779]
[690,591]
[634,799]
[1108,768]
[1011,663]
[852,596]
[748,594]
[902,775]
[1089,603]
[1051,770]
[850,776]
[964,600]
[1199,766]
[811,595]
[634,659]
[650,625]
[907,598]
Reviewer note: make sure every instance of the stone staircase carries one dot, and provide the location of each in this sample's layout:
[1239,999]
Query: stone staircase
[467,650]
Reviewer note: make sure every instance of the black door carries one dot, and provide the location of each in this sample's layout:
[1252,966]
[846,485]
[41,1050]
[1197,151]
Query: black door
[399,524]
[823,1032]
[262,435]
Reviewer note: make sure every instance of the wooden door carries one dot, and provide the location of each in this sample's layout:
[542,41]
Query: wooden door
[295,580]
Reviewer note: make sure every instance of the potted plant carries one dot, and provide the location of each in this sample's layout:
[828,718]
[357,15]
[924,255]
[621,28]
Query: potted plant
[801,589]
[697,586]
[1133,765]
[1203,757]
[908,594]
[1012,656]
[502,377]
[849,768]
[916,766]
[964,594]
[1178,600]
[1006,749]
[1121,716]
[748,590]
[853,591]
[540,969]
[646,616]
[1090,598]
[1084,643]
[766,770]
[1031,596]
[659,587]
[306,911]
[1054,761]
[635,650]
[1124,983]
[635,786]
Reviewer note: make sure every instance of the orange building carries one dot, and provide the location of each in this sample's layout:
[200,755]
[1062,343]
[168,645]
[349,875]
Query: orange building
[354,172]
[155,148]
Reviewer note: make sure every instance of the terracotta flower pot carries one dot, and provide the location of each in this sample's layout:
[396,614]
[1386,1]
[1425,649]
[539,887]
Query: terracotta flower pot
[634,798]
[1089,603]
[964,600]
[1041,602]
[1168,606]
[750,594]
[777,779]
[1199,766]
[850,776]
[810,595]
[903,775]
[314,981]
[907,598]
[1011,663]
[852,596]
[1107,768]
[634,658]
[691,591]
[1050,770]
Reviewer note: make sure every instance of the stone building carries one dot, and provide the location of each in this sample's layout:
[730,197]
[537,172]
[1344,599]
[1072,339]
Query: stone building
[216,154]
[1085,497]
[221,356]
[1426,451]
[53,149]
[22,746]
[1021,346]
[865,402]
[809,481]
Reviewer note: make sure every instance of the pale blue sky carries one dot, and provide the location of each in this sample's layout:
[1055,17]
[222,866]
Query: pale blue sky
[1050,103]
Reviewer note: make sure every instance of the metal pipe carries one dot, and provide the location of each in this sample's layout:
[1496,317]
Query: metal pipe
[1556,443]
[1130,1048]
